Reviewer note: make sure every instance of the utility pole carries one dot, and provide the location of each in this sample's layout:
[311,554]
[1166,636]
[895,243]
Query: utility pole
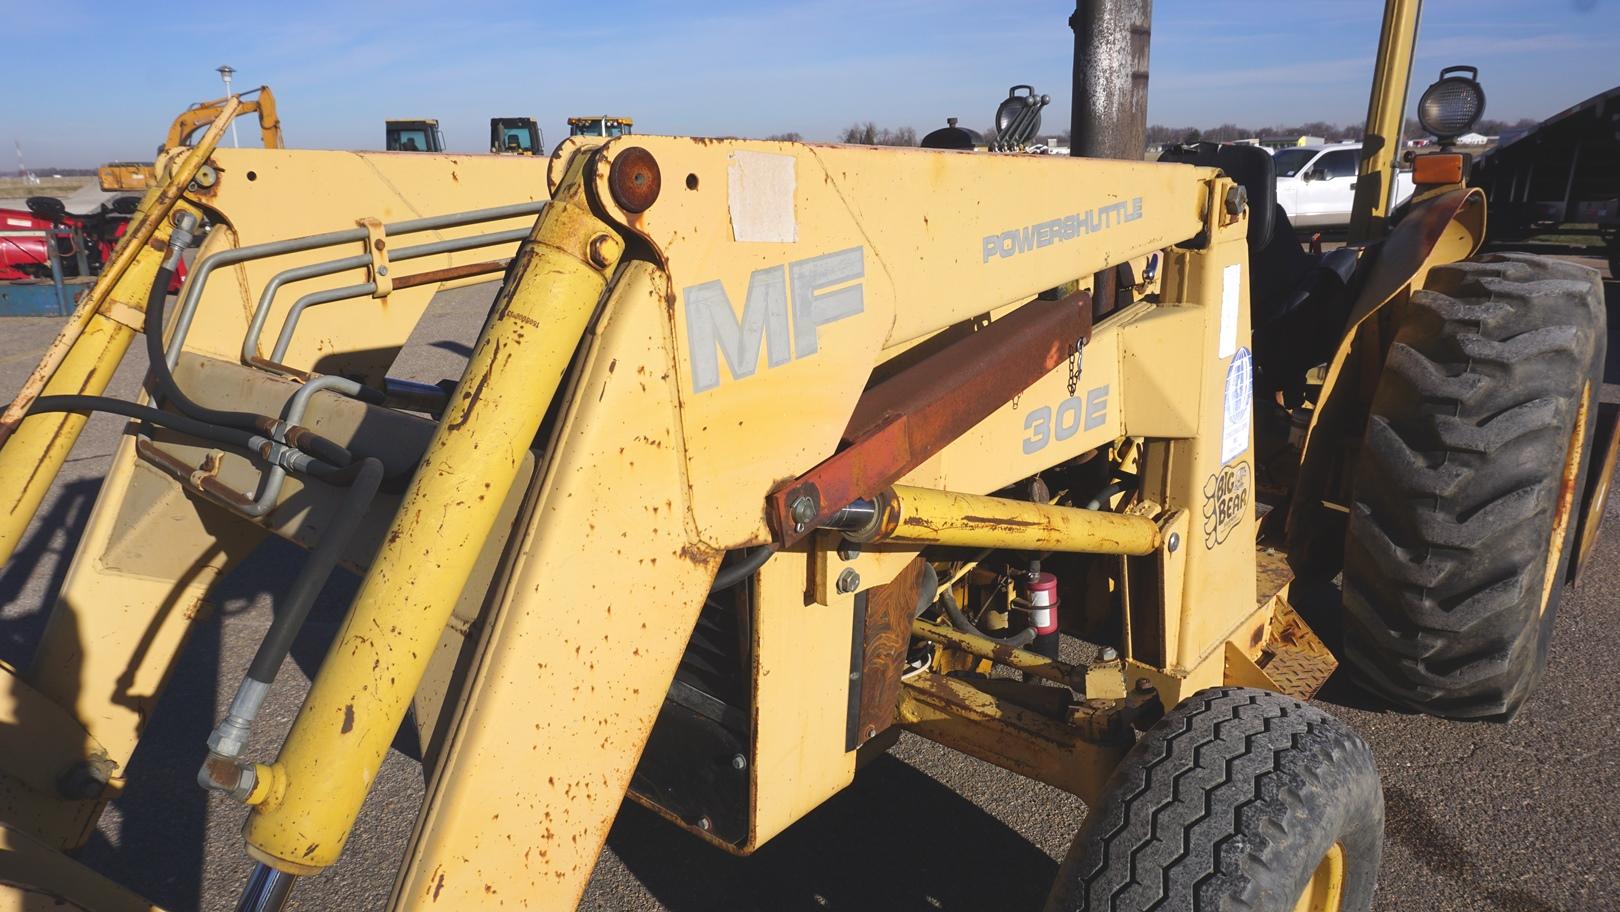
[225,73]
[1109,98]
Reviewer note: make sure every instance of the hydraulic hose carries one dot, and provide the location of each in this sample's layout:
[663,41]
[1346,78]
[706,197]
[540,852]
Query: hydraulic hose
[311,443]
[322,558]
[230,737]
[960,621]
[363,479]
[190,426]
[742,568]
[1126,482]
[925,592]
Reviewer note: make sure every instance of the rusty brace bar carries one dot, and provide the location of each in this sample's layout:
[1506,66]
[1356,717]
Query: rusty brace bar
[902,421]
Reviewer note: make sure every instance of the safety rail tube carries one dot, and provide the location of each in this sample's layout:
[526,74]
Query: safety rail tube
[304,812]
[924,516]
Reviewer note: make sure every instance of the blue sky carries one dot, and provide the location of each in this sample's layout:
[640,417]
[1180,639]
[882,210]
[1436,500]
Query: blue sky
[341,67]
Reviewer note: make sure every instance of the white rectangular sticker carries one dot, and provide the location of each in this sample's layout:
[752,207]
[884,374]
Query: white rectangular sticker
[1231,303]
[1238,405]
[759,188]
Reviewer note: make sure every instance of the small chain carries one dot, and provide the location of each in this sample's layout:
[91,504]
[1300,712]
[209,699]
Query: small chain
[1076,352]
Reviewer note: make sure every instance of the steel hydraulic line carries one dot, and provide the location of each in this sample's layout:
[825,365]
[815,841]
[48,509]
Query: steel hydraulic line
[261,313]
[163,362]
[270,490]
[284,434]
[205,268]
[281,432]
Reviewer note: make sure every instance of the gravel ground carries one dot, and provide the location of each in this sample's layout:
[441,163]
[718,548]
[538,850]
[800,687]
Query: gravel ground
[1520,817]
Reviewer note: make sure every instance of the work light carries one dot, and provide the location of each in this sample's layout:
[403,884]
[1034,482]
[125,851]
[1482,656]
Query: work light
[1452,106]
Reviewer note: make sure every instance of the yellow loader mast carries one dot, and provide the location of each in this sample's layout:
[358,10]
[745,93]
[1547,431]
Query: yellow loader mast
[1386,117]
[139,175]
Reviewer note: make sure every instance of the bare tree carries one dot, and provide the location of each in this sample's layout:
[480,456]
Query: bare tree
[785,137]
[862,134]
[870,134]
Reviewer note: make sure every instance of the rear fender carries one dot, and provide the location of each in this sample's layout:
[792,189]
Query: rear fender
[1443,229]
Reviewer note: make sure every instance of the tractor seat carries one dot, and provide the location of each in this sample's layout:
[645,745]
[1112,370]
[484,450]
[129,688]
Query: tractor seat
[1298,302]
[1298,305]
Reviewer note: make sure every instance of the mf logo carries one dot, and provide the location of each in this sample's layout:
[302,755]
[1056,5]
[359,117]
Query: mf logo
[818,291]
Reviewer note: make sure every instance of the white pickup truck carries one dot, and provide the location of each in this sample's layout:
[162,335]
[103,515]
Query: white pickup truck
[1317,184]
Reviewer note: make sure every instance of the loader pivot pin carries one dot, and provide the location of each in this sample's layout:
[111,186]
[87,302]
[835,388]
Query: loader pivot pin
[633,179]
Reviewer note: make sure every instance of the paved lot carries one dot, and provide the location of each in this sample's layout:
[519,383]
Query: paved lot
[1521,817]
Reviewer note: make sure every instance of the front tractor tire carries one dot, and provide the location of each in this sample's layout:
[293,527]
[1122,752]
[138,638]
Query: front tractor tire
[1466,495]
[1238,800]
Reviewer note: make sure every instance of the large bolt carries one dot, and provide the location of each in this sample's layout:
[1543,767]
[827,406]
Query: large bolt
[1236,199]
[849,580]
[1108,654]
[849,551]
[739,762]
[599,252]
[803,509]
[1174,542]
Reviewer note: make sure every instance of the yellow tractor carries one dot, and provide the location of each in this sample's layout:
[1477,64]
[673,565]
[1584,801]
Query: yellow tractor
[768,452]
[602,125]
[413,136]
[515,136]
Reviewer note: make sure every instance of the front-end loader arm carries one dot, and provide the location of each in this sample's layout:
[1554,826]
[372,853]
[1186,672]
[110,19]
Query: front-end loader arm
[691,331]
[670,433]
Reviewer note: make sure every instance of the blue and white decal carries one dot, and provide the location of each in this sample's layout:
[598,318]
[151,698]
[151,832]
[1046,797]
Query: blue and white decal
[1238,406]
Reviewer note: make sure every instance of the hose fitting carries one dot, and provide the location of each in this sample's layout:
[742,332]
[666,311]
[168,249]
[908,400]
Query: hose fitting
[228,776]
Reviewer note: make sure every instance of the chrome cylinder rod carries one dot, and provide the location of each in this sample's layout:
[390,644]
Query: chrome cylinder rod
[266,891]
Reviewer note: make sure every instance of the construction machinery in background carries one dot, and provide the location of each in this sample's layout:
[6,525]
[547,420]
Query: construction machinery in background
[767,452]
[414,136]
[515,136]
[602,126]
[139,176]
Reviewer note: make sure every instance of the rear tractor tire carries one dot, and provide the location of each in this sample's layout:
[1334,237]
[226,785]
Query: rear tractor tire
[1238,800]
[1467,491]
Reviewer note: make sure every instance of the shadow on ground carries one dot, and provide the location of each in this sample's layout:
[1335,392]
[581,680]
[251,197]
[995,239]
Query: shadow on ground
[896,839]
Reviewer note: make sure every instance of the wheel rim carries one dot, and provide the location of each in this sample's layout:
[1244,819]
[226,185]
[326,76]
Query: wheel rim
[1564,511]
[1598,502]
[1325,892]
